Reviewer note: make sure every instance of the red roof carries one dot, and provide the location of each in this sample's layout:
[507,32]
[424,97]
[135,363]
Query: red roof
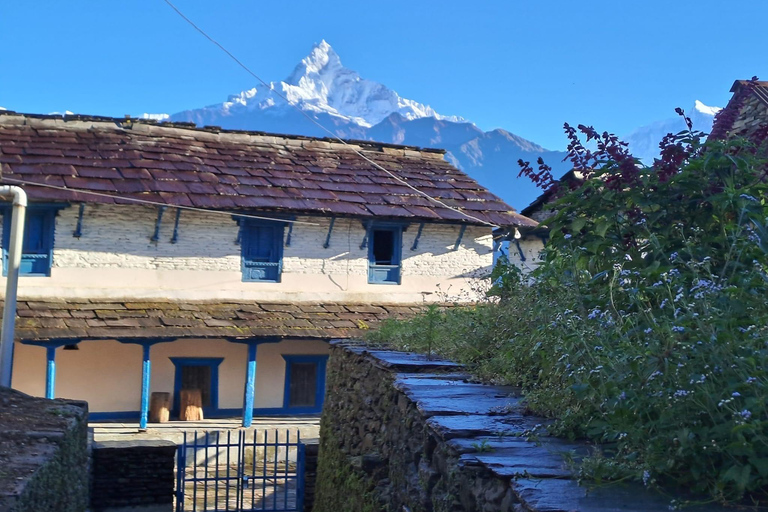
[178,164]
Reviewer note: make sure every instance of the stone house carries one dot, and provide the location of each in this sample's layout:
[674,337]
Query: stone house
[746,113]
[162,257]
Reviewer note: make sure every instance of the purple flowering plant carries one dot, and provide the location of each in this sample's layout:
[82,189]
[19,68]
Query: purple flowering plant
[664,267]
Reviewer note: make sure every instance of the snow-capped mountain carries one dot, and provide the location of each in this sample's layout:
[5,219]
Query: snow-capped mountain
[319,84]
[354,107]
[644,141]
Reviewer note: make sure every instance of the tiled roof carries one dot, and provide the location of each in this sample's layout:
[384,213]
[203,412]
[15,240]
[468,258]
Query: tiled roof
[746,113]
[178,164]
[134,319]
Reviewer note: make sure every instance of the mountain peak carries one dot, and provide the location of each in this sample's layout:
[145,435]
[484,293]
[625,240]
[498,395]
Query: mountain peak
[704,109]
[320,84]
[321,58]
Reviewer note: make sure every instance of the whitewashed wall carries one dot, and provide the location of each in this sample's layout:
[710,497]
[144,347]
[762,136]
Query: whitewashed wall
[114,257]
[531,248]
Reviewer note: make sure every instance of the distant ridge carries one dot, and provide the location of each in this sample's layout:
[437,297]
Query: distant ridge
[356,108]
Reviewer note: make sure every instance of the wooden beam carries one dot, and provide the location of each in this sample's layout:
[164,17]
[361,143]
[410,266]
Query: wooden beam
[78,232]
[461,235]
[418,236]
[175,237]
[156,236]
[327,243]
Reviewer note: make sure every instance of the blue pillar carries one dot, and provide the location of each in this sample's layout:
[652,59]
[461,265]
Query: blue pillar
[50,374]
[145,371]
[250,385]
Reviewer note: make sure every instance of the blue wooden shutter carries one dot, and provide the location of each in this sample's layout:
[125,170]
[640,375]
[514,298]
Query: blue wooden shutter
[262,252]
[37,248]
[385,268]
[38,243]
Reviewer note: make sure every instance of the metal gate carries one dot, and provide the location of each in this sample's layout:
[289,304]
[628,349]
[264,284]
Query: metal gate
[232,471]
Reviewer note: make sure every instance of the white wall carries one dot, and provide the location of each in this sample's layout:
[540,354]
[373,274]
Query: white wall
[531,247]
[114,257]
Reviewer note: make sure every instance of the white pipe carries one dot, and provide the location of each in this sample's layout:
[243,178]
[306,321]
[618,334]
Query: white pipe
[14,261]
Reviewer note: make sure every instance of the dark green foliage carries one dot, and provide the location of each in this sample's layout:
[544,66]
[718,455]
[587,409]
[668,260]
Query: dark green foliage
[646,330]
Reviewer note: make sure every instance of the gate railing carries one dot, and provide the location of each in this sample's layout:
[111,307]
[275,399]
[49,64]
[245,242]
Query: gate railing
[232,471]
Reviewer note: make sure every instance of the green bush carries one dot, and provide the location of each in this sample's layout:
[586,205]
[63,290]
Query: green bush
[646,329]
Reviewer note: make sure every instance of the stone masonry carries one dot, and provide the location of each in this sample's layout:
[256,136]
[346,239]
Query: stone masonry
[403,433]
[43,454]
[119,236]
[133,475]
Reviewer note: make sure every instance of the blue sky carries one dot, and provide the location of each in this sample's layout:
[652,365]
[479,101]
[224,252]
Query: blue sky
[526,66]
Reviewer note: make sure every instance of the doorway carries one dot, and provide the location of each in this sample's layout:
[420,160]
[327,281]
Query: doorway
[197,373]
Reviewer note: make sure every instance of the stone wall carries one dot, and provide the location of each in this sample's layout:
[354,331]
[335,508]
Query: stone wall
[43,454]
[401,433]
[114,251]
[133,474]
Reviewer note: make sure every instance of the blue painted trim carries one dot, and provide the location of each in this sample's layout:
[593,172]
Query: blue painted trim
[397,256]
[327,243]
[50,343]
[265,411]
[115,415]
[461,235]
[247,264]
[156,236]
[142,341]
[50,373]
[418,236]
[258,341]
[520,250]
[146,370]
[320,361]
[288,236]
[250,385]
[175,237]
[220,413]
[78,232]
[214,363]
[49,211]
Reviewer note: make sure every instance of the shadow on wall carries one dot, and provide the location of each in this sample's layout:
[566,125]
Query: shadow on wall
[144,232]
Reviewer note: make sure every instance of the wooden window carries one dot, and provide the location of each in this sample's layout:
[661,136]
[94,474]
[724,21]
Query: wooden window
[262,251]
[304,383]
[384,254]
[37,248]
[197,373]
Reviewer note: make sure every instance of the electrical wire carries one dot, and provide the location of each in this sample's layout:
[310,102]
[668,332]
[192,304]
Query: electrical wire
[150,202]
[318,124]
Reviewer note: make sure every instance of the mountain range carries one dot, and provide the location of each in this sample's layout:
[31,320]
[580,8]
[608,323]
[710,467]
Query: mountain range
[352,107]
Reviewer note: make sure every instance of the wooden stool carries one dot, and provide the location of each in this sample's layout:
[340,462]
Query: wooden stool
[160,407]
[190,405]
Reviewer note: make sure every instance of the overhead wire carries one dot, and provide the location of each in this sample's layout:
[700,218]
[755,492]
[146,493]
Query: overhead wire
[153,203]
[321,126]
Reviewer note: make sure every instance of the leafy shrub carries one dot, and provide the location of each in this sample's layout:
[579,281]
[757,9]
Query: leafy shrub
[646,329]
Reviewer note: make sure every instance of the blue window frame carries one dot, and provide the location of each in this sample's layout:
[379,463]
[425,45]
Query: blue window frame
[304,383]
[37,251]
[197,373]
[261,250]
[385,249]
